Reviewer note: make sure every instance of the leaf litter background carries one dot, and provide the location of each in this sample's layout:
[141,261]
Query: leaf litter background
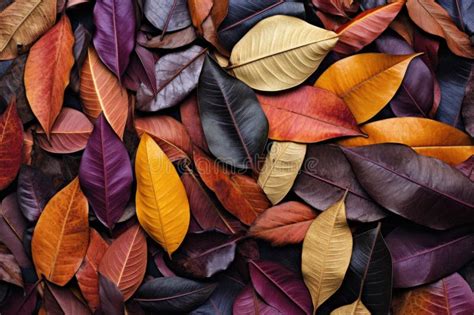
[236,157]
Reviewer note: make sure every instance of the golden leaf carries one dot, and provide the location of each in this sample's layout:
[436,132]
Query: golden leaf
[356,308]
[161,201]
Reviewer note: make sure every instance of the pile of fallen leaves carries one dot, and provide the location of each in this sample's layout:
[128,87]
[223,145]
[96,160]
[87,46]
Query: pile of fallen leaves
[236,157]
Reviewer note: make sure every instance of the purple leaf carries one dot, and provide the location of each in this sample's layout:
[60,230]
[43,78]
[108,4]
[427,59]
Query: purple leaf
[141,69]
[467,167]
[105,173]
[249,303]
[167,15]
[114,37]
[280,287]
[111,299]
[418,188]
[440,254]
[61,300]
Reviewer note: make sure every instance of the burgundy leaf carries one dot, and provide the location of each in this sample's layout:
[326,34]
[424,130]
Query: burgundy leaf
[112,301]
[9,270]
[61,300]
[249,303]
[141,70]
[189,111]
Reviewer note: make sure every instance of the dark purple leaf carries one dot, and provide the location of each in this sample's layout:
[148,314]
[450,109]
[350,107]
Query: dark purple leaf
[141,70]
[34,190]
[111,299]
[114,37]
[105,173]
[418,188]
[249,303]
[203,255]
[9,270]
[370,4]
[468,105]
[280,287]
[177,74]
[82,39]
[324,177]
[467,168]
[173,294]
[61,300]
[20,301]
[467,272]
[415,95]
[161,265]
[440,254]
[167,15]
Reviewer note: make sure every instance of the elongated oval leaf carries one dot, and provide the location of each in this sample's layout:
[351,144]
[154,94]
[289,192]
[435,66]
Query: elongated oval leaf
[280,287]
[173,294]
[366,82]
[47,72]
[280,52]
[105,173]
[61,236]
[114,36]
[162,204]
[281,167]
[101,92]
[441,253]
[124,262]
[11,142]
[240,195]
[69,134]
[234,124]
[22,23]
[326,254]
[425,136]
[307,114]
[440,200]
[286,223]
[177,75]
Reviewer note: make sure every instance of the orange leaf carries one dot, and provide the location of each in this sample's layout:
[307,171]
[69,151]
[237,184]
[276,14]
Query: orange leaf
[239,194]
[47,72]
[101,92]
[11,141]
[61,236]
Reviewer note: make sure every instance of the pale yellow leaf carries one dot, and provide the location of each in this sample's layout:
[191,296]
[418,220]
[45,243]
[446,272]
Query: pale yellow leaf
[356,308]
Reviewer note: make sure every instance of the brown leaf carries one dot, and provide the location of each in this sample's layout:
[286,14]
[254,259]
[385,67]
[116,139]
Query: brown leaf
[189,111]
[9,270]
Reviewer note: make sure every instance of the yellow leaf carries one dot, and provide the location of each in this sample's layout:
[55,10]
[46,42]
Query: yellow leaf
[23,22]
[327,249]
[282,164]
[280,52]
[356,308]
[61,236]
[366,82]
[426,136]
[161,202]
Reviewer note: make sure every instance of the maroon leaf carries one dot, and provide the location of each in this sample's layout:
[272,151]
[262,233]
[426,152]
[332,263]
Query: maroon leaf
[189,111]
[9,270]
[112,301]
[61,300]
[249,303]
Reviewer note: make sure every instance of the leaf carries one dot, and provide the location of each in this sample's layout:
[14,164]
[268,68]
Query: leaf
[239,194]
[114,36]
[124,262]
[281,167]
[82,39]
[415,95]
[384,169]
[433,19]
[199,11]
[168,133]
[61,236]
[467,108]
[101,92]
[280,287]
[280,52]
[441,254]
[87,276]
[167,15]
[34,189]
[141,70]
[173,294]
[286,223]
[111,297]
[427,137]
[22,23]
[61,300]
[12,229]
[189,113]
[106,174]
[205,211]
[170,40]
[307,114]
[9,270]
[366,27]
[11,142]
[69,134]
[325,175]
[177,75]
[162,205]
[356,308]
[47,72]
[450,295]
[249,303]
[326,253]
[459,13]
[366,82]
[467,168]
[234,124]
[243,15]
[205,254]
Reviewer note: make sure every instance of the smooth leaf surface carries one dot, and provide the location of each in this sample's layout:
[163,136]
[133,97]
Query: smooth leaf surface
[189,112]
[9,270]
[61,300]
[110,296]
[248,303]
[280,52]
[167,15]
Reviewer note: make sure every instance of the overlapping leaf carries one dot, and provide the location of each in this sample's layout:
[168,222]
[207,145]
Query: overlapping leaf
[11,141]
